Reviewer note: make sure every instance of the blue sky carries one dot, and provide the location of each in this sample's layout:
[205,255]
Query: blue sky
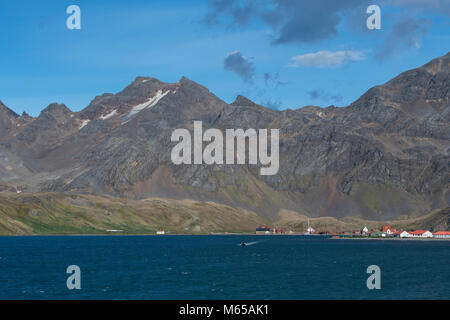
[230,46]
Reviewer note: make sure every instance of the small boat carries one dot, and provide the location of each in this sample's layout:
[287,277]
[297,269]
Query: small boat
[243,244]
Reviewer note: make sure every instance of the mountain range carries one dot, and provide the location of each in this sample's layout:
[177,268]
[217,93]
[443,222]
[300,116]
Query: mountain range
[385,156]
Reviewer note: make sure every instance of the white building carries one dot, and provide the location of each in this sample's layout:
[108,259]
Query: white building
[401,234]
[420,234]
[404,234]
[442,235]
[160,232]
[388,230]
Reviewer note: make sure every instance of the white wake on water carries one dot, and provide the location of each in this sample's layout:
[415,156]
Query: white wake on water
[249,243]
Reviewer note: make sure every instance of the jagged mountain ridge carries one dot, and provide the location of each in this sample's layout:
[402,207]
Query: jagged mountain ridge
[384,156]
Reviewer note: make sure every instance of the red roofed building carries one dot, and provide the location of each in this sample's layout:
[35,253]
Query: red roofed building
[442,234]
[420,234]
[276,231]
[388,230]
[263,230]
[401,234]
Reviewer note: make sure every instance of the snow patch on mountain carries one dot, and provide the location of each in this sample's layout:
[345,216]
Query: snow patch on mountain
[109,115]
[84,124]
[148,104]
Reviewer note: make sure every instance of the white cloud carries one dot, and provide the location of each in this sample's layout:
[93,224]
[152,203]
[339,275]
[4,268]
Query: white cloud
[326,58]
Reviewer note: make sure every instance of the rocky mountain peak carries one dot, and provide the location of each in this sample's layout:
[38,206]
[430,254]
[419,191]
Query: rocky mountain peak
[26,115]
[191,85]
[141,87]
[183,79]
[243,101]
[438,65]
[5,111]
[8,119]
[419,92]
[56,109]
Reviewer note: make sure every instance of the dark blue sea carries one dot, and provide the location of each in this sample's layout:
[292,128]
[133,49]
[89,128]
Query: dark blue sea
[216,267]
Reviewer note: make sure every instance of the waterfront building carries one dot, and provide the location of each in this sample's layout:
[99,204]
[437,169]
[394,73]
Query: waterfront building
[311,230]
[442,235]
[377,234]
[388,230]
[401,234]
[263,230]
[276,231]
[420,234]
[365,230]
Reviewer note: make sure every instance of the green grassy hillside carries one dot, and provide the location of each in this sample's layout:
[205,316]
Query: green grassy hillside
[50,213]
[58,213]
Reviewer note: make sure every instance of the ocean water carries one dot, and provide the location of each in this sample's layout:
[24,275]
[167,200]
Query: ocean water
[216,267]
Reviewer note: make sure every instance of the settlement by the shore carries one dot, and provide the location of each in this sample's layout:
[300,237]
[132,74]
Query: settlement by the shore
[385,231]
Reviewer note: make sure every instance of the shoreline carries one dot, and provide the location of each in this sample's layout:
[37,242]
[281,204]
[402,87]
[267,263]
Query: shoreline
[396,239]
[301,236]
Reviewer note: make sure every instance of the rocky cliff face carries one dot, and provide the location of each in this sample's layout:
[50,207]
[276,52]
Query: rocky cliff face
[7,120]
[384,156]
